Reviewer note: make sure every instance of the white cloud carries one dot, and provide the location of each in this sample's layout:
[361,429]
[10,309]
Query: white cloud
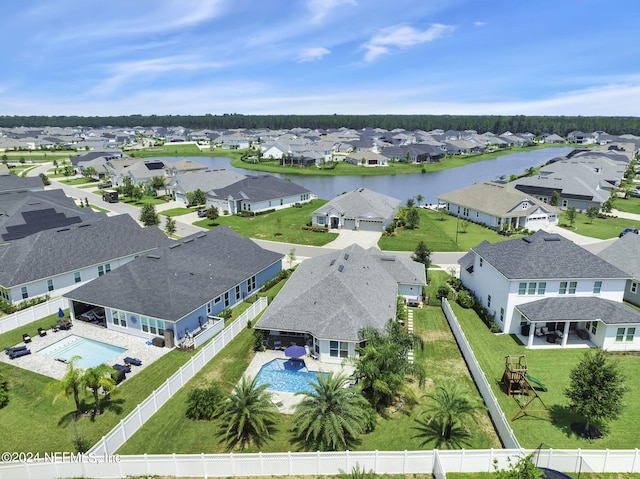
[312,54]
[400,36]
[479,24]
[320,8]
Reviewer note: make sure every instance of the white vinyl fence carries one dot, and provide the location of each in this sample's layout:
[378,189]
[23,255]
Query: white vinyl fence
[502,426]
[147,408]
[29,315]
[439,463]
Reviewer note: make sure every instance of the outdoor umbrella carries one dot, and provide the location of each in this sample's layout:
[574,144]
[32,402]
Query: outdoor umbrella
[60,313]
[295,351]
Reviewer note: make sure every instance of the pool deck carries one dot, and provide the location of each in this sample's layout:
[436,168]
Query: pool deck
[136,347]
[287,402]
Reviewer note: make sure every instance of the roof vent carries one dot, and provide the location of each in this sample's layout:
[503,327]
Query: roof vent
[188,240]
[153,256]
[201,235]
[333,261]
[346,256]
[552,238]
[63,229]
[388,258]
[174,245]
[526,239]
[341,268]
[84,225]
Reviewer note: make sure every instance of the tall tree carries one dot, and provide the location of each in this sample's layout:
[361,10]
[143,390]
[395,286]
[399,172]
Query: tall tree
[555,199]
[148,215]
[596,390]
[572,213]
[592,212]
[99,378]
[332,416]
[422,254]
[90,172]
[69,385]
[213,214]
[446,418]
[249,416]
[197,197]
[411,218]
[157,183]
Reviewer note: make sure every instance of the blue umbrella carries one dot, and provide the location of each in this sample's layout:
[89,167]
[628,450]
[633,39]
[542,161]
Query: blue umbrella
[60,313]
[295,351]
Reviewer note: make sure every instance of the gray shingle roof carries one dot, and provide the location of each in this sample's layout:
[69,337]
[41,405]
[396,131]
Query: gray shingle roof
[179,277]
[334,296]
[259,188]
[624,253]
[204,180]
[545,256]
[57,251]
[13,182]
[579,309]
[361,203]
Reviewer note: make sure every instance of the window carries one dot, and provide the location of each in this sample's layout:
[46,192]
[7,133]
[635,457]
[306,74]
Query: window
[594,327]
[630,334]
[217,300]
[114,317]
[488,301]
[100,270]
[144,324]
[563,287]
[502,315]
[625,334]
[620,334]
[152,326]
[251,283]
[542,287]
[123,319]
[338,349]
[597,286]
[107,267]
[25,293]
[237,292]
[532,288]
[481,261]
[76,277]
[522,288]
[209,307]
[226,299]
[50,285]
[633,288]
[572,287]
[321,220]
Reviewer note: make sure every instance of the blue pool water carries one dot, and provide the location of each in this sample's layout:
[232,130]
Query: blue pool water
[92,353]
[287,375]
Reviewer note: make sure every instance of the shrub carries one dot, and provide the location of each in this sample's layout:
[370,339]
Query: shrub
[260,339]
[465,299]
[284,274]
[443,292]
[4,391]
[226,313]
[203,404]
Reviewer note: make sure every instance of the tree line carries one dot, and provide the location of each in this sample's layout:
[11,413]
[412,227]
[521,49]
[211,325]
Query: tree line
[538,125]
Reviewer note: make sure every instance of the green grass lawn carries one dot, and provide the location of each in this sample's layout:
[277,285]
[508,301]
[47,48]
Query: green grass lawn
[171,149]
[601,228]
[552,367]
[178,211]
[80,181]
[146,200]
[170,431]
[266,226]
[628,205]
[438,231]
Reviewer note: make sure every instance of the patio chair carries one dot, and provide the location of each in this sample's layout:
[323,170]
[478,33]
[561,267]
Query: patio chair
[277,344]
[42,332]
[17,354]
[122,367]
[132,361]
[14,349]
[26,338]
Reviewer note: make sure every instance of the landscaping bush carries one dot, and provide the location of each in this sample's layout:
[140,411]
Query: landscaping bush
[284,274]
[202,404]
[443,292]
[260,339]
[9,308]
[4,391]
[226,313]
[465,299]
[315,229]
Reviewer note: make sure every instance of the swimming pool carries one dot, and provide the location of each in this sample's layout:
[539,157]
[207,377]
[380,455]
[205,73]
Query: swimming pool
[92,353]
[287,375]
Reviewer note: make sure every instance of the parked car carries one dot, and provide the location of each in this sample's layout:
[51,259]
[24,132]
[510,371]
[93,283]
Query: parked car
[202,212]
[628,230]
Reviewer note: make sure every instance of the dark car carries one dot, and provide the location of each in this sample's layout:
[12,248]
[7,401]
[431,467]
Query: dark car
[202,212]
[628,230]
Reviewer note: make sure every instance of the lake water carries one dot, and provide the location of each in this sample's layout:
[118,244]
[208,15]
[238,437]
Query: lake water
[402,187]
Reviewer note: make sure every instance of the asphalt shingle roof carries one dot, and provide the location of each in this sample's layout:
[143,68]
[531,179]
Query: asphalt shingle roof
[624,253]
[361,203]
[259,188]
[179,277]
[579,309]
[545,256]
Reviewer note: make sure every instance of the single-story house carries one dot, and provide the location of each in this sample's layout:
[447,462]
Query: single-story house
[367,158]
[207,180]
[330,298]
[360,209]
[257,193]
[549,290]
[499,206]
[54,260]
[180,286]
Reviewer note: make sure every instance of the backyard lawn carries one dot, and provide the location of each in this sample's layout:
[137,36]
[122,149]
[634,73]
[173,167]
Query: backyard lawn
[170,431]
[601,228]
[283,225]
[551,367]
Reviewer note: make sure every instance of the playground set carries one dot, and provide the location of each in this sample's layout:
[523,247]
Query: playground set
[520,385]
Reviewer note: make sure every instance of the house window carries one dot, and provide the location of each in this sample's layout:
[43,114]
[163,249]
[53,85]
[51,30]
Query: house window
[594,327]
[107,267]
[152,326]
[522,288]
[532,288]
[76,277]
[50,285]
[25,293]
[488,301]
[565,203]
[502,315]
[237,292]
[123,319]
[114,317]
[630,334]
[217,300]
[633,288]
[597,286]
[100,270]
[321,220]
[563,287]
[338,349]
[209,307]
[226,299]
[542,287]
[458,210]
[144,324]
[620,334]
[481,261]
[280,201]
[251,283]
[572,287]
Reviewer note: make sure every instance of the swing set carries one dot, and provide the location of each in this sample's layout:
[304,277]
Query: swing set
[518,384]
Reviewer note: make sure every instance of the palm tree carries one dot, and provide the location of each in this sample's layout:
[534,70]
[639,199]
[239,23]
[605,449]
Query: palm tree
[331,417]
[419,199]
[248,415]
[98,378]
[69,385]
[446,416]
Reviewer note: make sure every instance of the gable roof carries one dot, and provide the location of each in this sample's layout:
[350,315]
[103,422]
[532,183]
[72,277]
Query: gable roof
[624,253]
[574,308]
[545,256]
[204,180]
[495,199]
[259,188]
[179,277]
[334,296]
[58,251]
[361,203]
[15,183]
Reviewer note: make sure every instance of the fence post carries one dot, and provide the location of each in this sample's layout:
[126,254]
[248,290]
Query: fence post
[606,459]
[404,463]
[633,463]
[375,462]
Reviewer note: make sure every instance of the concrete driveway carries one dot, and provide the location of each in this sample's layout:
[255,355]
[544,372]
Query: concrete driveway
[366,239]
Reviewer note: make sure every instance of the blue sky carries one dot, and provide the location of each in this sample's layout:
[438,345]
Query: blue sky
[566,57]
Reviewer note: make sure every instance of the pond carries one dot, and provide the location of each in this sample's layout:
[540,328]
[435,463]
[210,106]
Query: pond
[402,187]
